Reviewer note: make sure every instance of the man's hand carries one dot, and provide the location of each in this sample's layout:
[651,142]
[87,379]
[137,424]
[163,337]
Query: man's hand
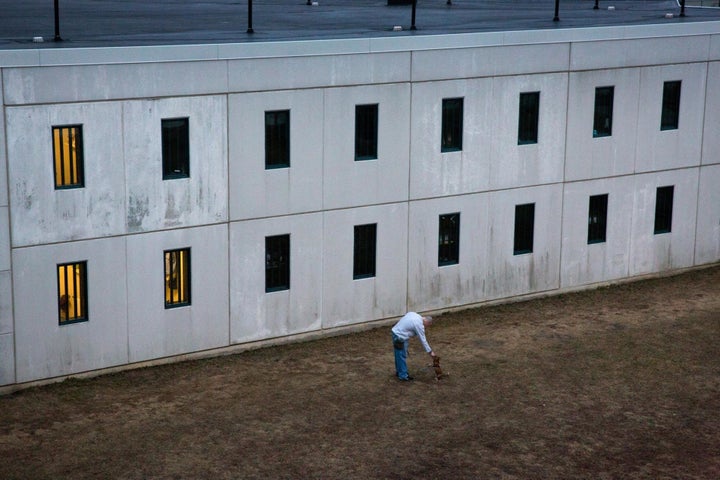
[432,354]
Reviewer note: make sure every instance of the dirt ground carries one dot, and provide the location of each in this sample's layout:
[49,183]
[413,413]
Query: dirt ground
[615,383]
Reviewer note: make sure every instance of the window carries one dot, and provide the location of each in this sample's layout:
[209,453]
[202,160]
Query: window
[670,106]
[176,148]
[602,125]
[177,278]
[364,251]
[524,228]
[277,139]
[664,209]
[68,156]
[449,239]
[452,124]
[366,132]
[277,263]
[72,292]
[528,118]
[597,218]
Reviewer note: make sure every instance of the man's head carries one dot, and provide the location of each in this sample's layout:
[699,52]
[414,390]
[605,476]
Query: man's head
[427,320]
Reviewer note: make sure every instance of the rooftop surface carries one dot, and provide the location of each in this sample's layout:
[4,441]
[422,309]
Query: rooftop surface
[110,23]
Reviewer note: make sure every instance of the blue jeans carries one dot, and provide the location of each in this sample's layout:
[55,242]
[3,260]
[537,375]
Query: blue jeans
[400,357]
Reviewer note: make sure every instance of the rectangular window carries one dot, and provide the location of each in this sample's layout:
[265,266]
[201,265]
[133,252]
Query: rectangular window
[277,263]
[670,106]
[602,124]
[449,239]
[597,218]
[366,132]
[72,292]
[528,118]
[68,156]
[277,139]
[364,251]
[664,209]
[176,148]
[177,278]
[452,125]
[524,228]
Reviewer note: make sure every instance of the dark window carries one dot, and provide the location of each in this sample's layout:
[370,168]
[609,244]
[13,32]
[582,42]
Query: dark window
[524,228]
[670,105]
[528,118]
[366,132]
[597,218]
[68,156]
[177,278]
[602,125]
[452,124]
[277,263]
[364,251]
[176,148]
[72,292]
[664,209]
[277,139]
[449,239]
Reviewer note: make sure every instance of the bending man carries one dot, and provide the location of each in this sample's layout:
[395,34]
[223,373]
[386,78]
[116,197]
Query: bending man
[410,325]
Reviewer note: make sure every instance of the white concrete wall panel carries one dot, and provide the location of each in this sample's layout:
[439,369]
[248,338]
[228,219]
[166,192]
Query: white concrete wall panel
[711,139]
[489,61]
[435,173]
[649,252]
[509,275]
[431,286]
[588,157]
[4,239]
[257,315]
[664,149]
[348,183]
[3,153]
[110,82]
[7,359]
[46,349]
[584,264]
[257,192]
[155,331]
[609,54]
[154,203]
[39,212]
[6,303]
[513,165]
[707,238]
[249,75]
[347,301]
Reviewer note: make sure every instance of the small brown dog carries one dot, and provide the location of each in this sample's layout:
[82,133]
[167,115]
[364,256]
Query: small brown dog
[436,366]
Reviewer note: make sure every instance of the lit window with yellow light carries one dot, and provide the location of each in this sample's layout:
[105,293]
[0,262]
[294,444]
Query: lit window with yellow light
[72,292]
[68,156]
[177,278]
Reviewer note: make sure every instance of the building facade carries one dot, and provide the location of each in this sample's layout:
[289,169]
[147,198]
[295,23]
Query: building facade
[163,201]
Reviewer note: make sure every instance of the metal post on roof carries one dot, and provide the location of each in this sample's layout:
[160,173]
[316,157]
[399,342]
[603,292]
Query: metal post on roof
[682,8]
[596,7]
[57,22]
[250,27]
[412,23]
[556,18]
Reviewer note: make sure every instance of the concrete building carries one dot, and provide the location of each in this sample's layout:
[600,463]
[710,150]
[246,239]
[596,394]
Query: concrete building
[243,192]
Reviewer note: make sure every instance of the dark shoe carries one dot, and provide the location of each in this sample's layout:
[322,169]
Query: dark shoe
[409,378]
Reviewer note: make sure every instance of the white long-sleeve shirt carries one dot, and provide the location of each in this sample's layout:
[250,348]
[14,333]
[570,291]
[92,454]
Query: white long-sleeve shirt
[410,325]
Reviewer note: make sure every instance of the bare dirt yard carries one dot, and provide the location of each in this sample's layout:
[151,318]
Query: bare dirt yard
[620,382]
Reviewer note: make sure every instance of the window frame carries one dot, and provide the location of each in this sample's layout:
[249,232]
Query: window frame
[451,134]
[670,110]
[81,297]
[277,139]
[664,198]
[277,269]
[448,239]
[528,118]
[597,219]
[603,112]
[366,131]
[74,165]
[524,235]
[364,251]
[175,146]
[182,269]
